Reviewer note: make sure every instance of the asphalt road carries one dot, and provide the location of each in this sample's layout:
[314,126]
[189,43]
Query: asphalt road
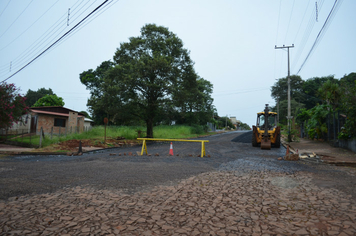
[21,175]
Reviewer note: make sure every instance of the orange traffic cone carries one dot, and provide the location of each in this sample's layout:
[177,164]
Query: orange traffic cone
[171,150]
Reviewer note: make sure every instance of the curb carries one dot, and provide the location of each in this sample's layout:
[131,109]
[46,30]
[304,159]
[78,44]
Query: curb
[52,153]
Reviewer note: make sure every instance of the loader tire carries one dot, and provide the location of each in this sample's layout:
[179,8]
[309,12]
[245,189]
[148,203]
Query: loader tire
[278,141]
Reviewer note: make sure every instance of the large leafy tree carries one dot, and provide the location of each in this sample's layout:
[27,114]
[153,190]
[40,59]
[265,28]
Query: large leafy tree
[12,105]
[330,92]
[93,80]
[152,79]
[33,96]
[348,101]
[49,100]
[310,89]
[279,91]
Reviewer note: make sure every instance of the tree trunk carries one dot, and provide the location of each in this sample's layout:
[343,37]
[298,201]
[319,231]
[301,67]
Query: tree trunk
[149,123]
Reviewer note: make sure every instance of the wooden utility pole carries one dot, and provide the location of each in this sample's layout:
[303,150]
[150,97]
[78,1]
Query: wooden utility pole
[289,117]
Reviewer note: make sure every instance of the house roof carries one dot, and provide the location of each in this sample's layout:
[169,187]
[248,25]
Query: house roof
[87,119]
[55,110]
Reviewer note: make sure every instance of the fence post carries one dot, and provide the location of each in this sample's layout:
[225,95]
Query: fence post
[51,132]
[307,132]
[338,122]
[334,126]
[41,137]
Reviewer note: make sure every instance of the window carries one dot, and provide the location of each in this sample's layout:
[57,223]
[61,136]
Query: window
[59,122]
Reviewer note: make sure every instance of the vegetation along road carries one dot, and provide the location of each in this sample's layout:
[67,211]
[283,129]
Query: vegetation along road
[78,189]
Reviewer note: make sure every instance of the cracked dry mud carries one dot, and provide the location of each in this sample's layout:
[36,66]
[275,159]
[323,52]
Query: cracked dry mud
[238,191]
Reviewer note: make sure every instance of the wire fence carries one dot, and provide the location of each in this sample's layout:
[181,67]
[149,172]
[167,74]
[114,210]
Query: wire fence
[333,124]
[35,137]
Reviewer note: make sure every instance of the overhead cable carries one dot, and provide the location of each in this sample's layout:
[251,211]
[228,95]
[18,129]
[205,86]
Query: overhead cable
[16,19]
[12,41]
[58,40]
[43,41]
[321,32]
[5,7]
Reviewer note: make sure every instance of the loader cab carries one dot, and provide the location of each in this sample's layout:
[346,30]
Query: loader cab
[272,120]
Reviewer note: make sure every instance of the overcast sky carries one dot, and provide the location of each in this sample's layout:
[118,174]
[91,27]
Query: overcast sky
[232,43]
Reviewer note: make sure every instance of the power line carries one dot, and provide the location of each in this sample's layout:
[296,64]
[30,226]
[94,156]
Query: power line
[321,32]
[5,7]
[290,17]
[94,16]
[12,41]
[16,19]
[305,11]
[67,33]
[235,93]
[306,35]
[45,39]
[40,42]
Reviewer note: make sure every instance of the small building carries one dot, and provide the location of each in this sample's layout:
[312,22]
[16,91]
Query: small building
[88,123]
[235,122]
[55,119]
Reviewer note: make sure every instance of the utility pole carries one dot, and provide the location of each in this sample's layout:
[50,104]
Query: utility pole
[277,111]
[289,117]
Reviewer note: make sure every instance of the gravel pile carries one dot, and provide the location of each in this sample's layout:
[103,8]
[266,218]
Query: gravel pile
[243,138]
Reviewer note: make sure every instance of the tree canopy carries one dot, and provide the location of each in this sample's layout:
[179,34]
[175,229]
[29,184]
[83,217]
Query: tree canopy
[49,100]
[12,105]
[151,80]
[33,96]
[316,98]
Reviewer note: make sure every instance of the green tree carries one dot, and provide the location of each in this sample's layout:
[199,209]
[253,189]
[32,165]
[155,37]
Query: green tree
[49,101]
[193,101]
[316,126]
[330,92]
[86,114]
[147,72]
[283,109]
[93,80]
[348,101]
[310,89]
[12,105]
[279,91]
[33,96]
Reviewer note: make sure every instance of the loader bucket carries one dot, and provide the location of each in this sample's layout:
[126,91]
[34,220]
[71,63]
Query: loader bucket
[266,144]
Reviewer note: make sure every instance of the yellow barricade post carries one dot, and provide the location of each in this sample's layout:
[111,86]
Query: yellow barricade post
[144,146]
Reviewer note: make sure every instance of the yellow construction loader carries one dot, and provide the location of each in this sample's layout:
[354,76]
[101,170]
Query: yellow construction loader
[266,132]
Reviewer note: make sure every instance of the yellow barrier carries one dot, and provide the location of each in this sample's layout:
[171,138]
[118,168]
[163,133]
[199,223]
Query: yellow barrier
[144,147]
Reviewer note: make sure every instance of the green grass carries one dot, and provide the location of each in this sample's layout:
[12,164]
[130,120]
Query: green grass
[128,132]
[177,131]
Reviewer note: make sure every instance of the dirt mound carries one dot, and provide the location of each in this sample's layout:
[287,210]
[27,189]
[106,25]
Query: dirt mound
[73,144]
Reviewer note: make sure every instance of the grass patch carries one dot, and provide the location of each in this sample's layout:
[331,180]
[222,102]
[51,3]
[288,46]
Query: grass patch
[112,132]
[177,131]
